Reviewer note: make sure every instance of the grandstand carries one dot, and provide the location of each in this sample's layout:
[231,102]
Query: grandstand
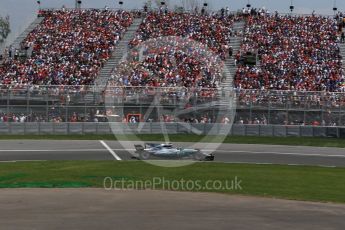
[286,69]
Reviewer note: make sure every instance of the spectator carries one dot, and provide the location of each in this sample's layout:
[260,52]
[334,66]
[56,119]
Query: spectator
[297,53]
[178,62]
[69,48]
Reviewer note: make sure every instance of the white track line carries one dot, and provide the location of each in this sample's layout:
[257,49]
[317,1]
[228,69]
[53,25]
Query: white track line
[292,165]
[53,150]
[279,153]
[62,150]
[15,161]
[110,150]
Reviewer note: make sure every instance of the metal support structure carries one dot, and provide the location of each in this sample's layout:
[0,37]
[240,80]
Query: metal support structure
[78,4]
[292,7]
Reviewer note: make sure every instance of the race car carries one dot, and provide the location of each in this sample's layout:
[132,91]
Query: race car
[168,151]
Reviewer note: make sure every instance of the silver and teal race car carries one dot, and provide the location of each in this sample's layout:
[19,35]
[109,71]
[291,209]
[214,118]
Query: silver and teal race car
[168,151]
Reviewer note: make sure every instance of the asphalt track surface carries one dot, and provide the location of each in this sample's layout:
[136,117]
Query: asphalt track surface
[149,210]
[40,150]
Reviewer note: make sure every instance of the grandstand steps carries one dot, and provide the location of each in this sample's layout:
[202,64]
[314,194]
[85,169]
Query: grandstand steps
[342,53]
[17,43]
[230,64]
[258,64]
[239,26]
[120,51]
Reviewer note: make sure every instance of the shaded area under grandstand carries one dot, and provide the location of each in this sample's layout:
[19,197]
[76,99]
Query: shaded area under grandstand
[25,150]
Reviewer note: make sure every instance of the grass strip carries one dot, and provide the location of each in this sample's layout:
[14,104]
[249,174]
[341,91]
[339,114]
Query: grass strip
[287,182]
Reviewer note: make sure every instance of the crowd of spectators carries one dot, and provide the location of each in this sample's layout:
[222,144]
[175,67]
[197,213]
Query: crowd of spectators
[256,117]
[297,53]
[180,50]
[286,100]
[55,114]
[212,30]
[170,62]
[68,48]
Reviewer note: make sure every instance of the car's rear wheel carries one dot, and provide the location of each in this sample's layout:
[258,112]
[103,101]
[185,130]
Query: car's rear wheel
[145,155]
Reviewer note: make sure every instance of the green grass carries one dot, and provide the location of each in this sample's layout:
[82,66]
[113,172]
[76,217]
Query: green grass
[294,141]
[288,182]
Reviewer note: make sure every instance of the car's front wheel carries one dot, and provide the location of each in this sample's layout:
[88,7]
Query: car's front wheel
[198,156]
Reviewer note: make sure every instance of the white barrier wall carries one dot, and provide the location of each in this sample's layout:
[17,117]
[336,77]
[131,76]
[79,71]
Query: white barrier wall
[170,128]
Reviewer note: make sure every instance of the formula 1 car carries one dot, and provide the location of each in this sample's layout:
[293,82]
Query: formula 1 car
[168,151]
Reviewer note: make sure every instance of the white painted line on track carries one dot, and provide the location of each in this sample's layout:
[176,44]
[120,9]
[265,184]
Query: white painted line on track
[53,150]
[110,150]
[292,165]
[280,153]
[327,166]
[15,161]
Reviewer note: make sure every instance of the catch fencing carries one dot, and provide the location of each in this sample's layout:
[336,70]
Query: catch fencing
[62,103]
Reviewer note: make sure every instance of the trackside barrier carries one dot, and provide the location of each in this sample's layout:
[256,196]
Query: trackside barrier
[46,128]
